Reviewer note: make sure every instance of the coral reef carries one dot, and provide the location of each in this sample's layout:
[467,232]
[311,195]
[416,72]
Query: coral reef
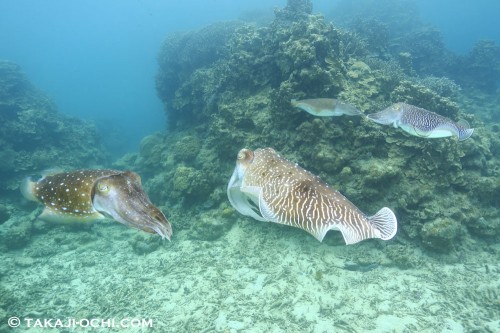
[442,233]
[481,67]
[394,31]
[34,136]
[242,98]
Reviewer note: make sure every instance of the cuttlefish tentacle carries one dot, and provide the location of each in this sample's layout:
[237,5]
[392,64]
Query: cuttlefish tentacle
[267,187]
[420,122]
[88,195]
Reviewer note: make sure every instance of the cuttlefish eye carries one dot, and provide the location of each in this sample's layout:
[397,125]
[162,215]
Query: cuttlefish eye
[245,155]
[103,188]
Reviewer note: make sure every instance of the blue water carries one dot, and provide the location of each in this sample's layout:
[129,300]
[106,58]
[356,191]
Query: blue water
[97,59]
[461,22]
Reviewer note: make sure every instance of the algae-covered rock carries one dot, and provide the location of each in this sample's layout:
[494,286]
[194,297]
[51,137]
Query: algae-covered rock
[404,256]
[144,244]
[34,136]
[441,234]
[362,86]
[189,183]
[187,148]
[240,97]
[185,180]
[481,67]
[151,152]
[210,227]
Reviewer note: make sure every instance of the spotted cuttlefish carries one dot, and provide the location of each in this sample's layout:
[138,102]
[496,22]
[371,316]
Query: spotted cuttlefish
[420,122]
[326,107]
[269,188]
[87,195]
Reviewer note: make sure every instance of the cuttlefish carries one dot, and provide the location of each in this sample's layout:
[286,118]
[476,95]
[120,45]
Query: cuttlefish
[88,195]
[326,107]
[420,122]
[269,188]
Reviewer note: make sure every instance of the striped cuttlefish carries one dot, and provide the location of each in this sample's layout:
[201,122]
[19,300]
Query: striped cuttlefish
[88,195]
[421,122]
[269,188]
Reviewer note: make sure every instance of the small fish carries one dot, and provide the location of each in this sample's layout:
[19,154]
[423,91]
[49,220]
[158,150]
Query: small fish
[88,195]
[267,187]
[326,107]
[420,122]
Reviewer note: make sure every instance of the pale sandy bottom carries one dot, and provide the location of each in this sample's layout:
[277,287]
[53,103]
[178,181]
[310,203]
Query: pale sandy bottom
[256,278]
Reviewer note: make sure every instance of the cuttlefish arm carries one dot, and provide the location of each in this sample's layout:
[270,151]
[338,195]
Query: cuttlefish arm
[389,116]
[122,198]
[243,198]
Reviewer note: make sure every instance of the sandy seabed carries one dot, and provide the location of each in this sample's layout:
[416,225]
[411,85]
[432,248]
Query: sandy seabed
[257,277]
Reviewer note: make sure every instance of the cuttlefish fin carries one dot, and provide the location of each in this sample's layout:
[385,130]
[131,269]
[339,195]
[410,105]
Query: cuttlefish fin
[464,130]
[51,171]
[27,189]
[28,185]
[421,133]
[50,215]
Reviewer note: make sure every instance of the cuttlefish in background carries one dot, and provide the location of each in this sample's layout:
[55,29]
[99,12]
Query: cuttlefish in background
[326,107]
[88,195]
[267,187]
[420,122]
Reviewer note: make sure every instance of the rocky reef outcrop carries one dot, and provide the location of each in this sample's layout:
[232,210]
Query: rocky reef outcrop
[239,96]
[34,136]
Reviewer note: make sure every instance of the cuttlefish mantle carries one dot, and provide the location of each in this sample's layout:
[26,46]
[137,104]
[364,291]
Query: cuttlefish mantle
[420,122]
[326,107]
[267,187]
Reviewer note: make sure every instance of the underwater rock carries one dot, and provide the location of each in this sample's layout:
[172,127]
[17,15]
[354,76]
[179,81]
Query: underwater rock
[144,245]
[481,67]
[487,225]
[33,134]
[242,98]
[294,10]
[187,148]
[210,227]
[185,180]
[362,84]
[151,152]
[183,53]
[441,234]
[189,184]
[404,256]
